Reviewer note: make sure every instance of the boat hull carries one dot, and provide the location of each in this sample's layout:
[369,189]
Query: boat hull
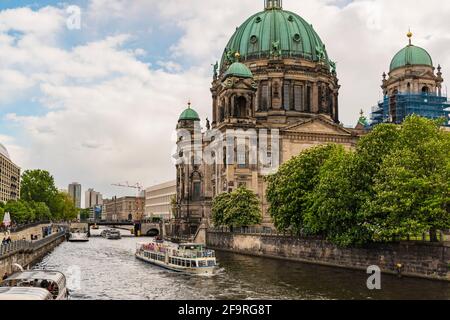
[78,238]
[198,271]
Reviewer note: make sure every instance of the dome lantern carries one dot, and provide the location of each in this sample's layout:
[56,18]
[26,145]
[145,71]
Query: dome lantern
[411,55]
[274,4]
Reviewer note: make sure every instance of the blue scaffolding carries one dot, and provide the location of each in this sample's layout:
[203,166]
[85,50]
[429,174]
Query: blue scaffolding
[395,108]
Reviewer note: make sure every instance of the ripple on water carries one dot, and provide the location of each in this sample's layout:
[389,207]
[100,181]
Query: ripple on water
[109,270]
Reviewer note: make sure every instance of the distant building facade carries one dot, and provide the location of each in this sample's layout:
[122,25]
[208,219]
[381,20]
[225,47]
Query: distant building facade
[9,177]
[125,208]
[92,199]
[158,200]
[75,193]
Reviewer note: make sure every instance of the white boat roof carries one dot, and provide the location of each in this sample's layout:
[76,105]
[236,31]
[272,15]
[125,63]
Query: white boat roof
[22,293]
[31,275]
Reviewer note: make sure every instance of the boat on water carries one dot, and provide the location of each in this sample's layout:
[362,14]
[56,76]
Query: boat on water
[188,258]
[111,234]
[35,285]
[114,234]
[78,235]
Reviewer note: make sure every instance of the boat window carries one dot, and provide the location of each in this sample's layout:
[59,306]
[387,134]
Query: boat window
[211,263]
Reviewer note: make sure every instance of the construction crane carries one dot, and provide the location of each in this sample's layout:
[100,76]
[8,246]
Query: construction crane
[136,186]
[127,185]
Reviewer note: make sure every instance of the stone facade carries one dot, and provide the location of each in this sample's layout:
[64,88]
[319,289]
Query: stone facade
[9,177]
[290,95]
[425,260]
[124,209]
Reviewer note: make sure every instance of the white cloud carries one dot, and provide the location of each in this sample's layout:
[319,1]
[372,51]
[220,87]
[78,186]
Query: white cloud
[109,116]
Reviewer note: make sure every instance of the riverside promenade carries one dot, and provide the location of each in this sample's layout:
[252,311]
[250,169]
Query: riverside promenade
[24,251]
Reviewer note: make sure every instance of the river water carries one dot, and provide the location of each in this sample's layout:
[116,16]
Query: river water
[107,269]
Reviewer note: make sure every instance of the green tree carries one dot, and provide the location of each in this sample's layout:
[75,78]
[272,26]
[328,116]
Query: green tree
[38,186]
[21,211]
[412,188]
[2,212]
[41,210]
[239,208]
[244,208]
[84,214]
[289,189]
[70,212]
[219,205]
[331,209]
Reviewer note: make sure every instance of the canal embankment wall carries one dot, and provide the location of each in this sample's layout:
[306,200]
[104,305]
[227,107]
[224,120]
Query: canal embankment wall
[27,253]
[417,259]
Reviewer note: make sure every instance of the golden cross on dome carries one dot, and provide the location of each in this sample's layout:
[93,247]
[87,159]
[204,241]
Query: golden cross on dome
[409,35]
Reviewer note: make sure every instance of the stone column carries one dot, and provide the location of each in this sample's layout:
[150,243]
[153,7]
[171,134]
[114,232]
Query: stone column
[315,98]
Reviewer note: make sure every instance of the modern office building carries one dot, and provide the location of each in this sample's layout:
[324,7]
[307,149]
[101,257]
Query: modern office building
[9,177]
[92,199]
[158,200]
[75,193]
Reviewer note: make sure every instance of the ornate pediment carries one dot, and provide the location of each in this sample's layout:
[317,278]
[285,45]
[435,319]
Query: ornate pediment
[319,125]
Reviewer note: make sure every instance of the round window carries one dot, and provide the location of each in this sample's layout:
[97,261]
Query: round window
[297,37]
[253,39]
[258,20]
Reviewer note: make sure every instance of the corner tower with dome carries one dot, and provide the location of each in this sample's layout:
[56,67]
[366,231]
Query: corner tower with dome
[275,74]
[412,87]
[9,177]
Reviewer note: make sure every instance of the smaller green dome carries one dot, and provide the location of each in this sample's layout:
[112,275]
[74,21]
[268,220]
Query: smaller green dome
[238,69]
[411,56]
[189,114]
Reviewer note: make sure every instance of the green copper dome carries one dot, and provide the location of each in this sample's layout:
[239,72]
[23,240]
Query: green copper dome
[240,70]
[411,56]
[275,32]
[189,114]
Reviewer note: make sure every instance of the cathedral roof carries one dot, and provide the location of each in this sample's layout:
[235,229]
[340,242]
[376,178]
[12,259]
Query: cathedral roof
[411,56]
[189,114]
[275,32]
[240,70]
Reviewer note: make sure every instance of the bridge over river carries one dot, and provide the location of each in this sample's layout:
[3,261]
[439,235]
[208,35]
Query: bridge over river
[141,228]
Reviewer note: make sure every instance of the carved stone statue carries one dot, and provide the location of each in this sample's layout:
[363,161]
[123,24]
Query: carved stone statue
[208,125]
[215,68]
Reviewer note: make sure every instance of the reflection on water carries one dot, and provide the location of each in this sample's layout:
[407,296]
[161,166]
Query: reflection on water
[109,270]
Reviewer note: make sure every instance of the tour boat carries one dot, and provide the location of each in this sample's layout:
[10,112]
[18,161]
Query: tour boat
[78,236]
[189,258]
[35,285]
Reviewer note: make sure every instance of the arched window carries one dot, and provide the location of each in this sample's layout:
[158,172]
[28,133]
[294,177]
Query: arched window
[408,87]
[425,90]
[241,107]
[196,186]
[264,97]
[287,96]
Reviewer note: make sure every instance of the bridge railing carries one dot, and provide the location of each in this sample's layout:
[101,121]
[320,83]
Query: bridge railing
[25,245]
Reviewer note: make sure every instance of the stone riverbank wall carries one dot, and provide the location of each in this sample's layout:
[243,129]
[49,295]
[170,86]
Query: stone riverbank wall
[26,253]
[419,259]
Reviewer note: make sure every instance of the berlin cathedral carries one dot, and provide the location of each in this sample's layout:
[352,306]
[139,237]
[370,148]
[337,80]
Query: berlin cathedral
[275,75]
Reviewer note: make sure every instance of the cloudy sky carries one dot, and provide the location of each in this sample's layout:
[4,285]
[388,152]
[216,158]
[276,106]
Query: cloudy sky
[99,104]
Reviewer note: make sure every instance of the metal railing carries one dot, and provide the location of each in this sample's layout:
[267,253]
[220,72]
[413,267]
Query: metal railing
[24,245]
[265,231]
